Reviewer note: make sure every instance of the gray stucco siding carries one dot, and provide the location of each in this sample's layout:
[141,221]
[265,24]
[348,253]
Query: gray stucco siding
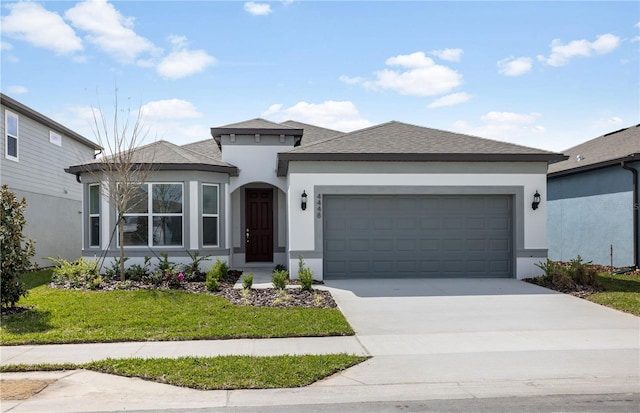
[590,212]
[608,180]
[185,178]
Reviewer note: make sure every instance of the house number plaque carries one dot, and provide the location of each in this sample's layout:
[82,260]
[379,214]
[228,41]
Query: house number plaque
[319,207]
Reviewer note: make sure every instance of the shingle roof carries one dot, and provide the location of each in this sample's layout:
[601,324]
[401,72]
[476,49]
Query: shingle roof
[312,133]
[259,126]
[165,155]
[207,146]
[601,151]
[396,141]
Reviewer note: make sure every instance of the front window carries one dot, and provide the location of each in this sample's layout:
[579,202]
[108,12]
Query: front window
[94,215]
[154,216]
[210,215]
[11,136]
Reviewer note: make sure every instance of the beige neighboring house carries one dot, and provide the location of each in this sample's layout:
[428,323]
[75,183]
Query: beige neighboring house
[34,150]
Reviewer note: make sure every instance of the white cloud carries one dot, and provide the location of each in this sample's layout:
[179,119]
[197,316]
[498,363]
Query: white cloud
[450,100]
[339,115]
[17,89]
[519,128]
[42,28]
[514,66]
[257,9]
[413,60]
[109,30]
[272,110]
[351,80]
[169,109]
[562,53]
[5,46]
[418,75]
[612,122]
[182,63]
[451,55]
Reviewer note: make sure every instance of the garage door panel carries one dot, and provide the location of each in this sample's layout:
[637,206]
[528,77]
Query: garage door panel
[418,236]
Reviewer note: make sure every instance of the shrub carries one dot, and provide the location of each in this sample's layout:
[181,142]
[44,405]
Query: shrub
[247,281]
[153,278]
[137,272]
[77,274]
[192,271]
[549,268]
[215,274]
[113,272]
[305,275]
[279,279]
[585,275]
[164,265]
[174,280]
[279,267]
[15,252]
[562,280]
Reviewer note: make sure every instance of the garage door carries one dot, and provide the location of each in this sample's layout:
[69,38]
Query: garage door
[417,236]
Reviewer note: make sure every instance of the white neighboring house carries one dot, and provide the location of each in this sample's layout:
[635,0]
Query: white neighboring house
[392,200]
[34,151]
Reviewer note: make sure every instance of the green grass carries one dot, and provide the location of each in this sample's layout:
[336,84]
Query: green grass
[218,373]
[68,316]
[622,292]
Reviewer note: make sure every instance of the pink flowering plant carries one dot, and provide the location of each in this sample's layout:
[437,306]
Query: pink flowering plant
[174,279]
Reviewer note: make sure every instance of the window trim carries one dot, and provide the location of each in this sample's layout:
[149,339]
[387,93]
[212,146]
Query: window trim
[150,215]
[55,138]
[94,215]
[7,135]
[204,215]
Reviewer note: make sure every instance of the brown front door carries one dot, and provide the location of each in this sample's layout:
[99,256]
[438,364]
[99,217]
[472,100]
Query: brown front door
[258,236]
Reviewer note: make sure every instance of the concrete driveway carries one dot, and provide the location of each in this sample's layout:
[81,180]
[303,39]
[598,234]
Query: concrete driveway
[488,332]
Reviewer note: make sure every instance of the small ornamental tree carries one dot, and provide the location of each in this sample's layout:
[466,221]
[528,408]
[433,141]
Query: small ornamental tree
[16,252]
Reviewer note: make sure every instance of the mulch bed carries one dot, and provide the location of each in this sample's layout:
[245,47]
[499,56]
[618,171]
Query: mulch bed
[581,291]
[293,296]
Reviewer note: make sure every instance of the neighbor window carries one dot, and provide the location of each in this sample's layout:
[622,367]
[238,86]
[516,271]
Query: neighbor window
[210,215]
[55,139]
[11,135]
[94,215]
[153,216]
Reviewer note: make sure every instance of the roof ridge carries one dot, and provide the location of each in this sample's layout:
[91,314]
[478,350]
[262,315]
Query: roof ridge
[341,135]
[312,125]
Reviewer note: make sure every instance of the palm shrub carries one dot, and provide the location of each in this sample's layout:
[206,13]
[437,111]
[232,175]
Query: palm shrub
[15,251]
[192,270]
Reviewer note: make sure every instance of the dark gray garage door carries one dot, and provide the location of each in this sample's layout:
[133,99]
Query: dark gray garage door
[417,236]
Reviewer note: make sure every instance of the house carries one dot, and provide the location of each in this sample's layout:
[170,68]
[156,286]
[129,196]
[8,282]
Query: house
[34,152]
[392,200]
[593,200]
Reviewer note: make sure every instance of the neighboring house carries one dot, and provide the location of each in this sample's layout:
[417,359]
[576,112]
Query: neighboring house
[393,200]
[593,200]
[34,150]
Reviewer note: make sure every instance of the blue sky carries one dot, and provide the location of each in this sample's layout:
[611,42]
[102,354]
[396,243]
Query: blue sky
[543,74]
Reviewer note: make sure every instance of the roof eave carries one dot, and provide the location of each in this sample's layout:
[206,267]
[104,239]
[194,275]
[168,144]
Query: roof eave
[285,157]
[27,111]
[95,167]
[599,165]
[217,132]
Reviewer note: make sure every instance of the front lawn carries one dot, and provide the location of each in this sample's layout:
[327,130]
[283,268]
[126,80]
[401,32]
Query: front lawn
[70,316]
[621,292]
[218,373]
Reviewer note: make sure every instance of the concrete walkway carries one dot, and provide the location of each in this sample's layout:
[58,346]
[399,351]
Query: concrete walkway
[430,339]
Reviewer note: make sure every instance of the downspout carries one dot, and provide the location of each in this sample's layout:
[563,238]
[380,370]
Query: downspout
[635,211]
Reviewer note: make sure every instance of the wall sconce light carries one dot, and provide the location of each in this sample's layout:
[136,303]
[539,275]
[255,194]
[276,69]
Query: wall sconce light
[303,200]
[536,201]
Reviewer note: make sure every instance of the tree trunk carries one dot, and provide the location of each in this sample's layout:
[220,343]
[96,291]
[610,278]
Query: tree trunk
[121,240]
